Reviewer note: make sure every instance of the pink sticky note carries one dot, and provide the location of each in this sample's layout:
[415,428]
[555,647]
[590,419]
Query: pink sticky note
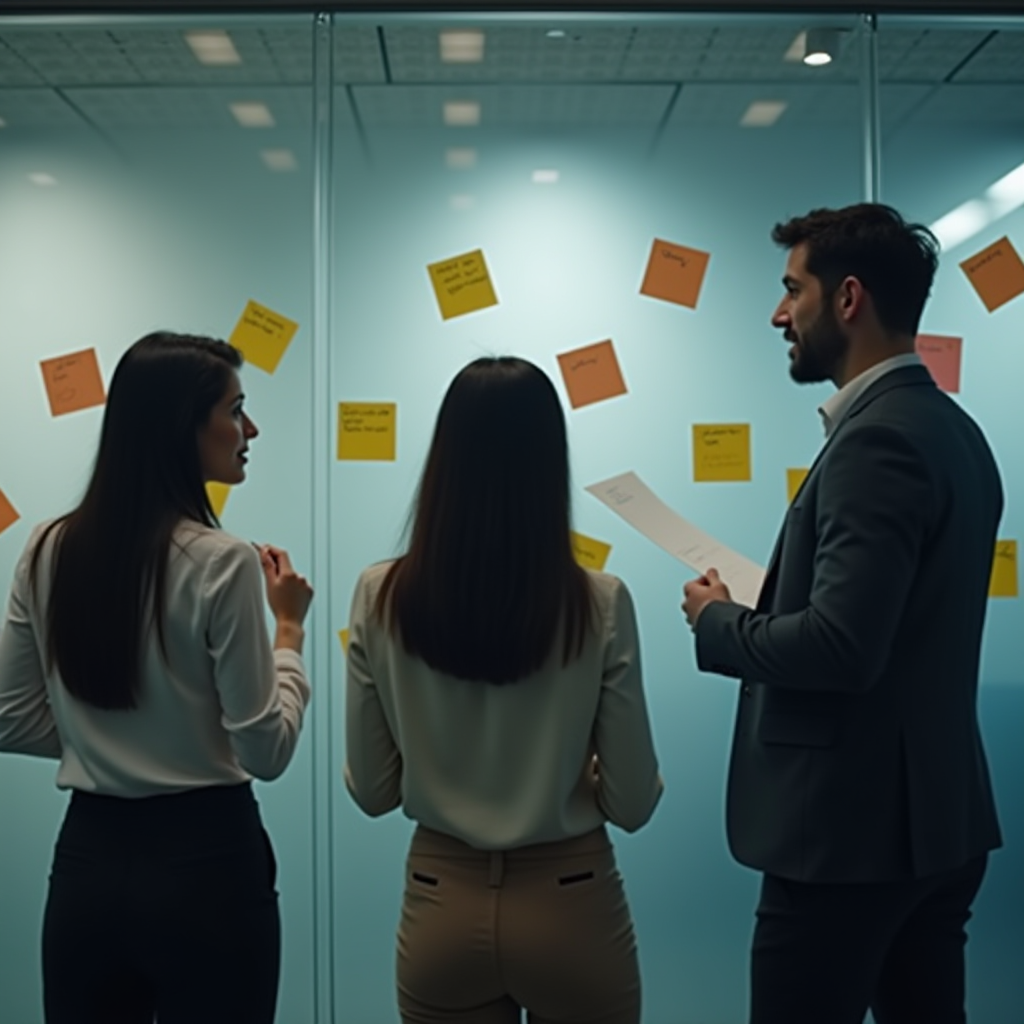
[941,354]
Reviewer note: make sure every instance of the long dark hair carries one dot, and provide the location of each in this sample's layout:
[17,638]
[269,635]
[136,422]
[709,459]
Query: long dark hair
[110,553]
[489,579]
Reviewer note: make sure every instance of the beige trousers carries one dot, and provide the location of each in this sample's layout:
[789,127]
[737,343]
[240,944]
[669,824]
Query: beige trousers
[545,928]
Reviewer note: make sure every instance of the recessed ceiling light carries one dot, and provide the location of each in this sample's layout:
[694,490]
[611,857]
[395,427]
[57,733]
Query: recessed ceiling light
[42,178]
[821,46]
[555,33]
[462,202]
[545,177]
[279,159]
[762,113]
[461,112]
[253,115]
[460,158]
[213,47]
[466,47]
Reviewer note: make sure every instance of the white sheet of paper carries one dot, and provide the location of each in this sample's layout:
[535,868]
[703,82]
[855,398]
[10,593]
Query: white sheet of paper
[628,496]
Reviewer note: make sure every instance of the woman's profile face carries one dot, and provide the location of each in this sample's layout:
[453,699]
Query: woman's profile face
[224,440]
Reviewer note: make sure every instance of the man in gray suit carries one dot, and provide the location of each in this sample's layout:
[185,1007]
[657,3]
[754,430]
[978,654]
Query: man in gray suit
[858,783]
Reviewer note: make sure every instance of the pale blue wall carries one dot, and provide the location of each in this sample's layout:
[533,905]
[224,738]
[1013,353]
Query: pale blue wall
[185,230]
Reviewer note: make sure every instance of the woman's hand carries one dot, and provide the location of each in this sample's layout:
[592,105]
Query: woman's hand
[288,594]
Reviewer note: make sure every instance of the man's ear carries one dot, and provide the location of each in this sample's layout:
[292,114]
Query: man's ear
[850,299]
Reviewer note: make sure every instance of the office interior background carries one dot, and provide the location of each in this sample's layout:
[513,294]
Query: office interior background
[162,171]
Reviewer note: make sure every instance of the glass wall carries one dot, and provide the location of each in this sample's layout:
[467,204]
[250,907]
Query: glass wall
[338,170]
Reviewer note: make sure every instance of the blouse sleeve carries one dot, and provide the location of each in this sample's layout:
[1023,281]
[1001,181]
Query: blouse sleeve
[628,783]
[263,693]
[373,762]
[27,725]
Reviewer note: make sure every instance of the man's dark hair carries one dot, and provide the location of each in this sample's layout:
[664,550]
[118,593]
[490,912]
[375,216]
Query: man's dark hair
[894,260]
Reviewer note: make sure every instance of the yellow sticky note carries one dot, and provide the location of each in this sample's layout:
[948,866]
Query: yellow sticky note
[721,452]
[8,513]
[794,478]
[462,284]
[1003,582]
[996,273]
[590,553]
[343,637]
[218,495]
[262,335]
[366,431]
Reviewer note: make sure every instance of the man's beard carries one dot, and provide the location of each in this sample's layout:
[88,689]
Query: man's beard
[819,351]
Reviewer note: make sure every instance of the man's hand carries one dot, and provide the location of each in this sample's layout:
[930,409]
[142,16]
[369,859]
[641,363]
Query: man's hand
[700,592]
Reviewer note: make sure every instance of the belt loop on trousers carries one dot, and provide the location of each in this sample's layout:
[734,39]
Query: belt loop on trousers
[496,869]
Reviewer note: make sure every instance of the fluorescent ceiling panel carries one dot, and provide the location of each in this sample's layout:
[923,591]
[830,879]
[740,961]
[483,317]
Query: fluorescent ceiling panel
[213,48]
[463,47]
[762,113]
[461,113]
[253,115]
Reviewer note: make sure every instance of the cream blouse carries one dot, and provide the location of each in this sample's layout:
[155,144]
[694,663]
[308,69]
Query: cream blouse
[223,707]
[502,766]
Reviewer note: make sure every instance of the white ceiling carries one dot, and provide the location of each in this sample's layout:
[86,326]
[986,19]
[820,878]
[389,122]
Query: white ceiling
[391,76]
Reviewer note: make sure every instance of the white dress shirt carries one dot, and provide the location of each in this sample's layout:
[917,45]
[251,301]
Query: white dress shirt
[834,408]
[222,708]
[502,766]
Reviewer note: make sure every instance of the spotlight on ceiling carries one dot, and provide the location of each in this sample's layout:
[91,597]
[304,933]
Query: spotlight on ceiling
[821,46]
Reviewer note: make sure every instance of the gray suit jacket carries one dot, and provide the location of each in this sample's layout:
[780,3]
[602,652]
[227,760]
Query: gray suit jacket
[857,755]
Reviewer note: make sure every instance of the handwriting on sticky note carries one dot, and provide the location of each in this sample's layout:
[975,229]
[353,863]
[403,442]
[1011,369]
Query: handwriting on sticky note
[262,335]
[73,382]
[941,354]
[721,452]
[996,273]
[590,553]
[462,284]
[366,431]
[218,495]
[591,374]
[8,513]
[794,480]
[343,637]
[1004,579]
[675,273]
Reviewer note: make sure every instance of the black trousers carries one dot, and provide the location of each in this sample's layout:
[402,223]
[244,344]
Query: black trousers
[824,954]
[164,909]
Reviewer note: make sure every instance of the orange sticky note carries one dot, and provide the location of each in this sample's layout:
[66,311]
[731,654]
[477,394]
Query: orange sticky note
[218,495]
[462,284]
[997,273]
[794,478]
[262,335]
[8,513]
[721,452]
[675,273]
[73,382]
[366,431]
[590,553]
[941,354]
[343,637]
[591,374]
[1003,582]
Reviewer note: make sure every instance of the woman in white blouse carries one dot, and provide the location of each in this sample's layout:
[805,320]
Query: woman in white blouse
[494,693]
[135,652]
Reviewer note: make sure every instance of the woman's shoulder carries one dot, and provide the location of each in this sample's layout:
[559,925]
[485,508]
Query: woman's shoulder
[202,544]
[372,577]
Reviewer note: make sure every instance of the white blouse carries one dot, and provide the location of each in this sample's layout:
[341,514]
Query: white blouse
[502,766]
[222,708]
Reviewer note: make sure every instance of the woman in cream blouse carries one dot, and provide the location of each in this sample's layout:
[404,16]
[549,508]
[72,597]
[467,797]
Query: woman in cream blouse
[494,693]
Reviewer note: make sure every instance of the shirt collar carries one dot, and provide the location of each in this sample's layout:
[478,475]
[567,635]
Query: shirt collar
[834,408]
